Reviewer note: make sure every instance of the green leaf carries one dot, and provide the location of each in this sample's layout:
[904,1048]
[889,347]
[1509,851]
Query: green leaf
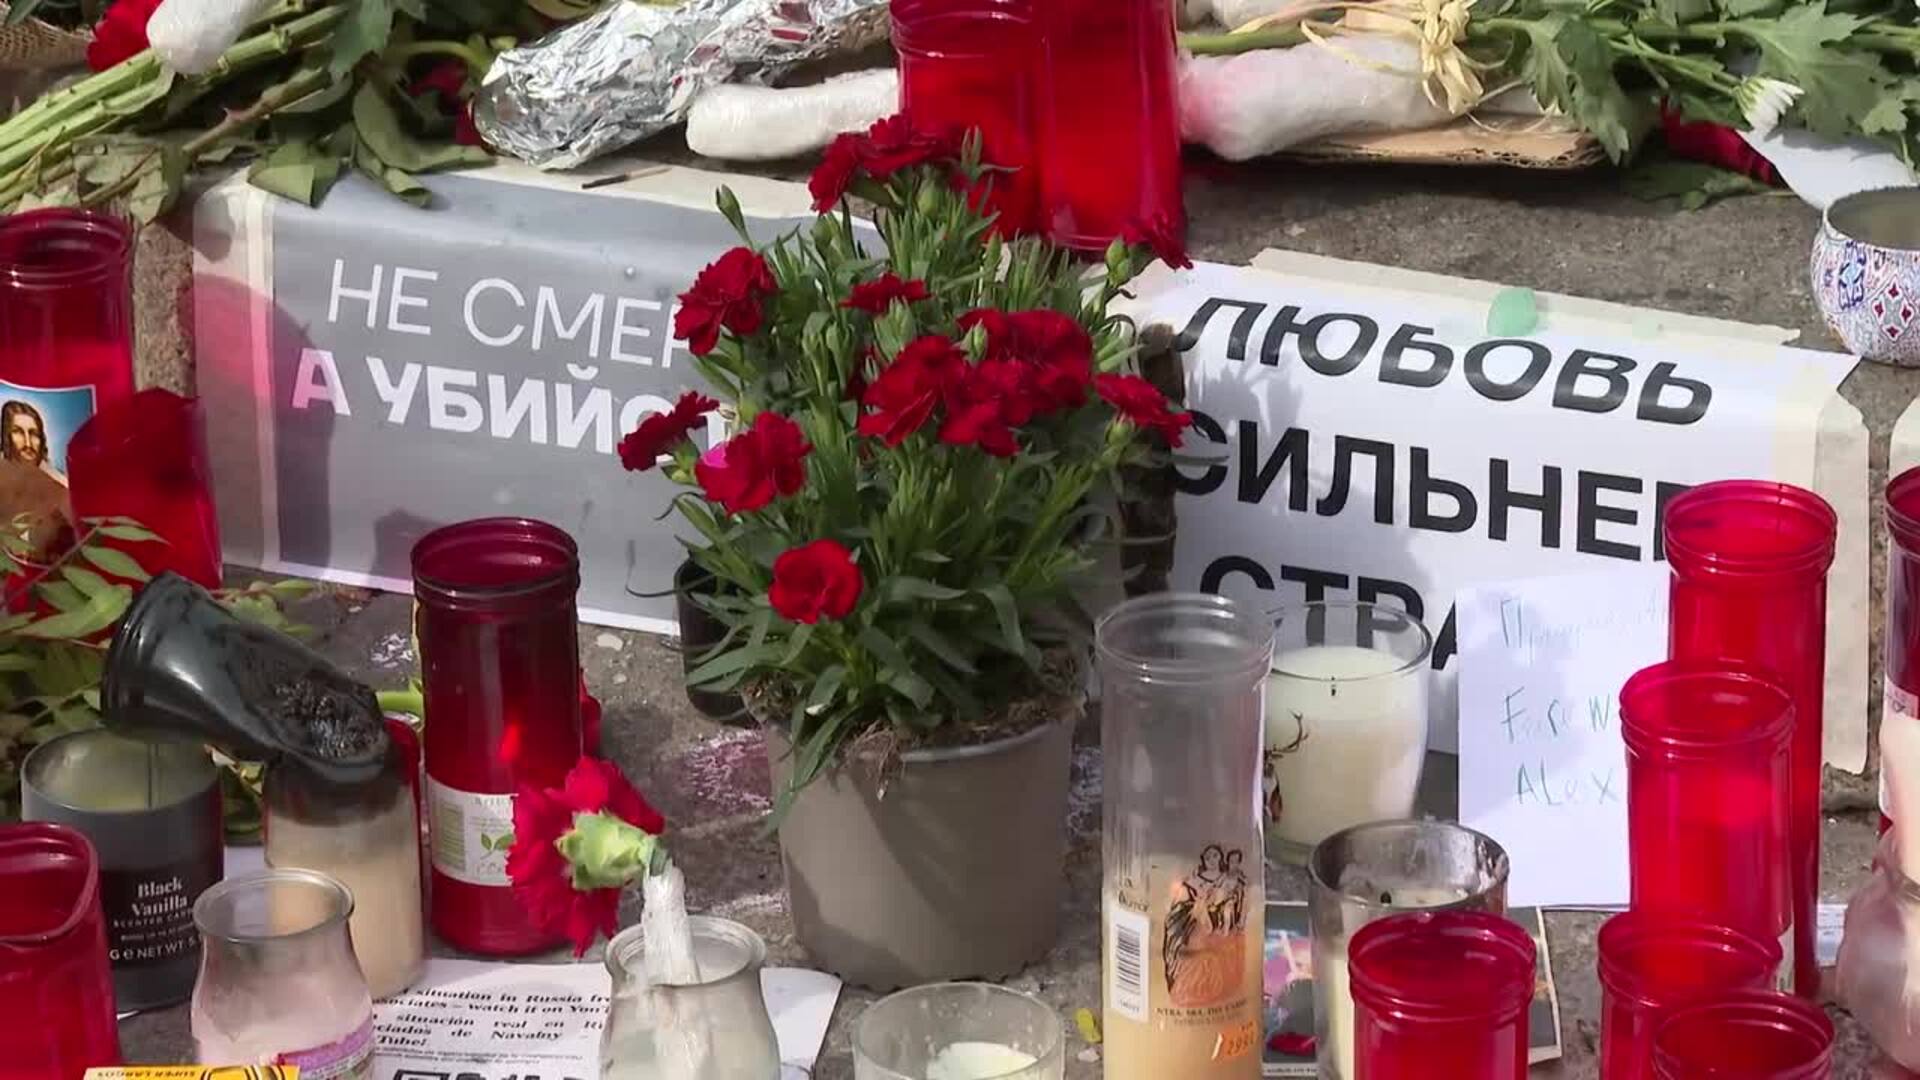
[1570,66]
[89,583]
[1747,9]
[298,171]
[732,662]
[826,686]
[882,646]
[1843,86]
[15,662]
[60,595]
[1694,183]
[797,643]
[904,588]
[1008,613]
[99,613]
[365,30]
[156,167]
[115,562]
[380,129]
[912,687]
[1683,11]
[941,646]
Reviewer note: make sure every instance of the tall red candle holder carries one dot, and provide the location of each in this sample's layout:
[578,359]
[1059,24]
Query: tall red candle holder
[1110,122]
[1900,707]
[1753,1035]
[1750,561]
[66,328]
[146,458]
[1652,964]
[975,64]
[1709,785]
[1441,996]
[500,667]
[56,991]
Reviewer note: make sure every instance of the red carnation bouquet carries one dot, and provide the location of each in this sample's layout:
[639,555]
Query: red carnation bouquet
[925,436]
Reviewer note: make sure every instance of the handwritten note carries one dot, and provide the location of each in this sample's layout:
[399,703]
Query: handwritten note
[1542,765]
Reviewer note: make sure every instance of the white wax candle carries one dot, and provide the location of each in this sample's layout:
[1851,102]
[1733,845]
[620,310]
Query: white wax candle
[977,1061]
[1346,738]
[1335,993]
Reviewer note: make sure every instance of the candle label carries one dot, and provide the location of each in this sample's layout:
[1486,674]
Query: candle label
[1898,707]
[37,423]
[471,833]
[350,1058]
[149,910]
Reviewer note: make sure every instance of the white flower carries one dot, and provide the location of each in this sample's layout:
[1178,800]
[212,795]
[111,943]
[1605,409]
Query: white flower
[1764,101]
[190,35]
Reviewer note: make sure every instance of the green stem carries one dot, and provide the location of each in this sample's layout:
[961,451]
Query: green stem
[476,62]
[1234,44]
[80,97]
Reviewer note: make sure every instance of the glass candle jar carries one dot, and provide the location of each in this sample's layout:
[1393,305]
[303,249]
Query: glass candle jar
[1370,872]
[970,65]
[1109,122]
[1878,977]
[716,1029]
[146,458]
[1751,1035]
[55,990]
[1708,785]
[1900,705]
[278,981]
[959,1031]
[500,665]
[1346,721]
[1750,561]
[152,811]
[66,328]
[1182,684]
[1441,996]
[366,837]
[1651,964]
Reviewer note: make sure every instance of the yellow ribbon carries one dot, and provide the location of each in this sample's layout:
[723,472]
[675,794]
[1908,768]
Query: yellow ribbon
[1449,78]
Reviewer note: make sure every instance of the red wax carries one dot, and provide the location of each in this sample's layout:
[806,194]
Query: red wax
[1651,964]
[1708,787]
[1441,996]
[500,665]
[1901,703]
[1111,124]
[1750,562]
[66,313]
[56,990]
[146,458]
[1747,1035]
[974,64]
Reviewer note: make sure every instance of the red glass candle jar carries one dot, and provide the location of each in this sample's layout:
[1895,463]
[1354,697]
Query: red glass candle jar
[1110,122]
[56,990]
[146,458]
[974,65]
[66,328]
[1751,1035]
[1441,996]
[1750,562]
[500,665]
[1651,964]
[1709,782]
[1900,705]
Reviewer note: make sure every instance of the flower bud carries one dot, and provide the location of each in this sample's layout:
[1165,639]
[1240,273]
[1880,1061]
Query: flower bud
[729,205]
[606,852]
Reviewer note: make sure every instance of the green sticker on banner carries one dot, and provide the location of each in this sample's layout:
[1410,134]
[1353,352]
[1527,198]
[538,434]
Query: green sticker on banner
[1514,313]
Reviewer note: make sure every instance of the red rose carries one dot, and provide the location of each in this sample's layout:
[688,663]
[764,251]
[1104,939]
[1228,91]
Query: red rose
[448,79]
[876,296]
[985,406]
[836,173]
[729,294]
[121,33]
[1165,236]
[904,394]
[815,580]
[1715,144]
[659,433]
[1141,404]
[1056,348]
[542,877]
[762,463]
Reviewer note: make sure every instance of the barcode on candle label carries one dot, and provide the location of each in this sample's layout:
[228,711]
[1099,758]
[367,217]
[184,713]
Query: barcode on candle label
[1127,944]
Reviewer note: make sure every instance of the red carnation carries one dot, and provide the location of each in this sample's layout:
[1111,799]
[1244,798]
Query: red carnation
[1165,236]
[836,173]
[886,148]
[1141,404]
[876,296]
[815,580]
[1056,348]
[729,294]
[659,433]
[904,394]
[983,408]
[762,463]
[543,876]
[121,33]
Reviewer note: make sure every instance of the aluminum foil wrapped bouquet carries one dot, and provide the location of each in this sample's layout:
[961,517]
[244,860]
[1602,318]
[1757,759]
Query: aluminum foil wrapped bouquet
[634,68]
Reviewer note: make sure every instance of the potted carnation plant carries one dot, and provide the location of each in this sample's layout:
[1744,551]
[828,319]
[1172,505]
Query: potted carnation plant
[925,435]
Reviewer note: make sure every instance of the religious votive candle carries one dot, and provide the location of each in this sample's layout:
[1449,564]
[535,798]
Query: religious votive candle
[1441,995]
[1374,871]
[1751,1035]
[1346,721]
[1651,964]
[1900,706]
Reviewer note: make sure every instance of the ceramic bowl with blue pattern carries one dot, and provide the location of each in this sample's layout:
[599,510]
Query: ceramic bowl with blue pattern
[1866,274]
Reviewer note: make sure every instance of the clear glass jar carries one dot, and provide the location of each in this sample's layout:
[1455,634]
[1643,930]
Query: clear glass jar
[959,1031]
[1879,967]
[715,1029]
[1182,685]
[278,981]
[366,837]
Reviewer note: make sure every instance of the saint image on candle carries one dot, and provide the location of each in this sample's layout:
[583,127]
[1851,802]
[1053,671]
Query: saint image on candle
[1346,720]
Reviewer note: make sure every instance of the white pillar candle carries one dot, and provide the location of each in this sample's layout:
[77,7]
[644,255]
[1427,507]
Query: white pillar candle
[1335,992]
[977,1061]
[1346,739]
